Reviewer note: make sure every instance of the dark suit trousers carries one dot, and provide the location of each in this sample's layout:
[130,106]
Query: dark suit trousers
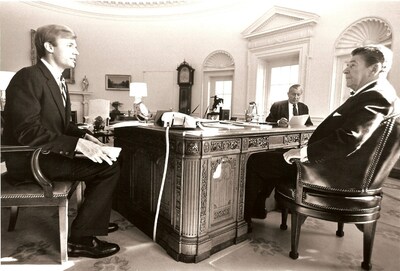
[100,180]
[264,171]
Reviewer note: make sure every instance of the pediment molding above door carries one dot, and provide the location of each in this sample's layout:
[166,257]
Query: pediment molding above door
[278,21]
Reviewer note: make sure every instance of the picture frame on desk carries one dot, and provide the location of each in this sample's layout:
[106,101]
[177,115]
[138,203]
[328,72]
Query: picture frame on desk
[68,74]
[117,82]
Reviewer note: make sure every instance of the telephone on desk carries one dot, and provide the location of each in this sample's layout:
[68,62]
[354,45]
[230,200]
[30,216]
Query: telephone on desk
[176,120]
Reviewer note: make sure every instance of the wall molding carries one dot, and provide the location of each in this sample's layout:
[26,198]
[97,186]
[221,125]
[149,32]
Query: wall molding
[279,32]
[219,60]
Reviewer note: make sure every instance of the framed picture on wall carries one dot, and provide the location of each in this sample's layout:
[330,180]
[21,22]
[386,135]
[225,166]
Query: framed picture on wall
[69,74]
[117,82]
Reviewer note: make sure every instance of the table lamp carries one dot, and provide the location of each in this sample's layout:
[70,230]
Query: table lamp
[139,90]
[5,78]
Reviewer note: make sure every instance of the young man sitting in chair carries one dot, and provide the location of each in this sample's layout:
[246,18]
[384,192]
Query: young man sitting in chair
[37,114]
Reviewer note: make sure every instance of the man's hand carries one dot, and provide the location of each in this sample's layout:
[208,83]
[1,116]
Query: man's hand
[283,122]
[93,151]
[291,154]
[93,139]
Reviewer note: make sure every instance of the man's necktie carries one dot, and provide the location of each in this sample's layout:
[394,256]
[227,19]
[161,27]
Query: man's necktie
[63,90]
[295,112]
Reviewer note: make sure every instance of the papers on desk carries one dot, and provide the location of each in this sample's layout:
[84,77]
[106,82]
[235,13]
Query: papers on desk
[126,124]
[252,125]
[298,120]
[232,125]
[217,125]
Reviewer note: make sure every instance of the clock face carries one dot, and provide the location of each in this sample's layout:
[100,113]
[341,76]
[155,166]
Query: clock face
[184,75]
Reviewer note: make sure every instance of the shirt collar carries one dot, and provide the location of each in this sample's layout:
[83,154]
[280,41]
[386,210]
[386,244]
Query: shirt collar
[361,88]
[56,74]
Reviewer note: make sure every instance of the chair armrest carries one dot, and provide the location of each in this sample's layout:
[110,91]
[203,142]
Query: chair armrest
[11,149]
[45,183]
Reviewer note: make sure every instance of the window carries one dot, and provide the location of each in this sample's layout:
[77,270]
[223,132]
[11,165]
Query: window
[281,79]
[275,76]
[223,89]
[280,34]
[218,74]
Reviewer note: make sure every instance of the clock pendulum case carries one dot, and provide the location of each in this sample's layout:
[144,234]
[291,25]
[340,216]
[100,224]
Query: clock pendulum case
[185,82]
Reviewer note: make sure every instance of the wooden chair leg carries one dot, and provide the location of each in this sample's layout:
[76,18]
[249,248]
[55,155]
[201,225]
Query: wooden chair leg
[284,219]
[369,236]
[297,222]
[63,220]
[340,232]
[13,218]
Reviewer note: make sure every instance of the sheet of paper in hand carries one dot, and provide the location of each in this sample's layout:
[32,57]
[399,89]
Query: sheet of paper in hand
[298,120]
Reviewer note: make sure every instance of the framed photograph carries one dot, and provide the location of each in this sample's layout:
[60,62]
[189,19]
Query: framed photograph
[69,74]
[117,82]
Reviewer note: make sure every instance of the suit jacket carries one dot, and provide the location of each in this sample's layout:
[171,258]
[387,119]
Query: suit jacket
[281,110]
[342,146]
[35,114]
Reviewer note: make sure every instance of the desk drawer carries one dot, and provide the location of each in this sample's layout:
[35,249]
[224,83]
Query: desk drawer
[284,141]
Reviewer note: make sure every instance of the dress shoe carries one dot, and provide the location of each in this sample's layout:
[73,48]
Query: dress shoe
[112,227]
[97,249]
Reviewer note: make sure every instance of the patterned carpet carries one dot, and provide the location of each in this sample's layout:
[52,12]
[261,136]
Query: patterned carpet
[34,245]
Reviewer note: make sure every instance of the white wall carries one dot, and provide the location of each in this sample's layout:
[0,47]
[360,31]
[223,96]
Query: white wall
[147,46]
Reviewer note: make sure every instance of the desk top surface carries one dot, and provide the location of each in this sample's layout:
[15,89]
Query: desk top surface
[222,129]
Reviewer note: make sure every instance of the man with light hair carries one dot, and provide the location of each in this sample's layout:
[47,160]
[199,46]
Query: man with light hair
[37,114]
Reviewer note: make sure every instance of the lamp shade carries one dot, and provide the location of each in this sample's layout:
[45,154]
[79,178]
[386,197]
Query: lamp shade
[5,78]
[138,89]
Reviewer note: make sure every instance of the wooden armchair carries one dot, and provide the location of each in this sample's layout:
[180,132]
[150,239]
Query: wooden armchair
[343,196]
[39,192]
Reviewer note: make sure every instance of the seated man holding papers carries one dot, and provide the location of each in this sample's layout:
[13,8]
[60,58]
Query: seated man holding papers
[281,112]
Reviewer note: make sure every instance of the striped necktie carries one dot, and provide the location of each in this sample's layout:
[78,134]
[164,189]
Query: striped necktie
[63,90]
[295,112]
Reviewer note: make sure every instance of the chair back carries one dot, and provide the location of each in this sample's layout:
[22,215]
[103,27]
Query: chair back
[385,156]
[364,171]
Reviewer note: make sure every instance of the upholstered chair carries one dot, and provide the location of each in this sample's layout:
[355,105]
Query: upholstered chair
[346,194]
[38,192]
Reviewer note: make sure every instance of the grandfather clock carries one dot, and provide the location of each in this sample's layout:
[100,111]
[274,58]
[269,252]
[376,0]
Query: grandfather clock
[185,82]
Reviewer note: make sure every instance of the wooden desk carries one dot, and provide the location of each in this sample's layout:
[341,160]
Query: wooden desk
[203,201]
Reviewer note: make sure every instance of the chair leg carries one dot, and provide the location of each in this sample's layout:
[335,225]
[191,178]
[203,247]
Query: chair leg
[13,218]
[297,222]
[284,219]
[340,232]
[63,221]
[369,236]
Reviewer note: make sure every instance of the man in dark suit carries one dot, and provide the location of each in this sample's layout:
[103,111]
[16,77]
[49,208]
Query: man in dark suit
[281,112]
[341,134]
[37,113]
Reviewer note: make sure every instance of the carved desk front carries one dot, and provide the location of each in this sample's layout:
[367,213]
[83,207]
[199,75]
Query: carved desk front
[203,199]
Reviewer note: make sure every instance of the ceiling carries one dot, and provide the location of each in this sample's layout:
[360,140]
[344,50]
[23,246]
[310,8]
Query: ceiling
[132,8]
